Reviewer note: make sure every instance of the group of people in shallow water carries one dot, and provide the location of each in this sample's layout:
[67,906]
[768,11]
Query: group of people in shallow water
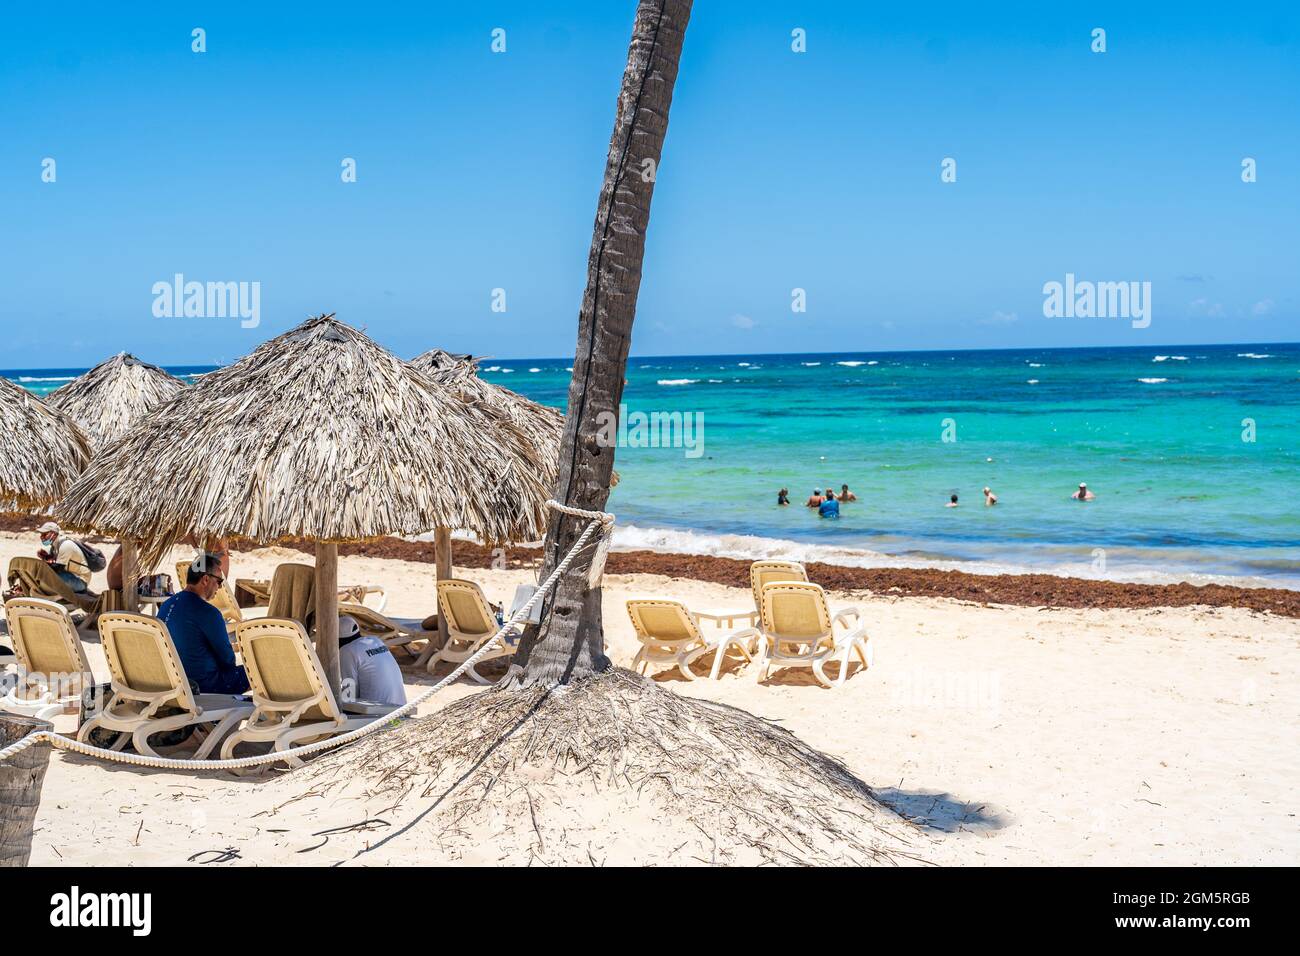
[828,504]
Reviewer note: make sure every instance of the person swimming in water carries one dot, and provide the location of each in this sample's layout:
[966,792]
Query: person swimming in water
[990,499]
[830,508]
[952,502]
[783,496]
[846,495]
[815,501]
[1083,494]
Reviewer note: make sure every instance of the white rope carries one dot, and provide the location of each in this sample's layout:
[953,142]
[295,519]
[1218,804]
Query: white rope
[599,519]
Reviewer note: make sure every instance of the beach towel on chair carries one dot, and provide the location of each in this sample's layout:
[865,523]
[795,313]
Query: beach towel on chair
[38,579]
[293,594]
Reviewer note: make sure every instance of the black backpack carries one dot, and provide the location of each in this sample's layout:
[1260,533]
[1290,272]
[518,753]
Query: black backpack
[95,559]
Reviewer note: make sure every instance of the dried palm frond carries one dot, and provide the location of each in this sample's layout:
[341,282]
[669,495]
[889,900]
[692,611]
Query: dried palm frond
[113,395]
[41,450]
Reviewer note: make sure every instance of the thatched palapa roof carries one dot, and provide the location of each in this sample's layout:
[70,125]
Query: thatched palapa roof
[113,395]
[41,450]
[542,425]
[319,433]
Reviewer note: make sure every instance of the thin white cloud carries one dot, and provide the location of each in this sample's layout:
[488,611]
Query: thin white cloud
[742,321]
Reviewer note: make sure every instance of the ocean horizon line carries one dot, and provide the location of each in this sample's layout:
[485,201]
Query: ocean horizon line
[5,372]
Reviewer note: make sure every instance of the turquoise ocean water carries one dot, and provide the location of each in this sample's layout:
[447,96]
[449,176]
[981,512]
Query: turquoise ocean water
[1156,433]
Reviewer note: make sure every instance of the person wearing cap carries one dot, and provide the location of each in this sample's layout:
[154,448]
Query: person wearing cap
[199,631]
[367,671]
[816,499]
[1083,494]
[65,556]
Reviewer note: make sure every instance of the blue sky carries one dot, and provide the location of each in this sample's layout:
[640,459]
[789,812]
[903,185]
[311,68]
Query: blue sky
[817,170]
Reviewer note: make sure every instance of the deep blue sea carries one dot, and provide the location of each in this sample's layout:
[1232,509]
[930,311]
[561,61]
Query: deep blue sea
[1193,453]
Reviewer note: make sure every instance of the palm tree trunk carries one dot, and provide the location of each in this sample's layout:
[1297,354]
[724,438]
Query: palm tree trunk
[21,777]
[570,642]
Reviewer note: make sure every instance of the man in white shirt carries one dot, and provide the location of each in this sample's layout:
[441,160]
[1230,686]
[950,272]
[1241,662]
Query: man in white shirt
[367,669]
[65,556]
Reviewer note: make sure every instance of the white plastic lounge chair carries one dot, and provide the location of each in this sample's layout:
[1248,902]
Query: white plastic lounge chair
[761,573]
[798,630]
[52,662]
[293,704]
[260,592]
[393,632]
[469,621]
[150,693]
[670,634]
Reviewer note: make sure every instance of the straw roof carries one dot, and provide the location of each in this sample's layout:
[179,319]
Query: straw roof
[41,450]
[319,433]
[436,360]
[113,395]
[542,425]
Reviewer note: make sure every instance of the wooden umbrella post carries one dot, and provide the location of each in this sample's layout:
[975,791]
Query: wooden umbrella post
[442,565]
[131,576]
[21,777]
[442,553]
[327,611]
[443,570]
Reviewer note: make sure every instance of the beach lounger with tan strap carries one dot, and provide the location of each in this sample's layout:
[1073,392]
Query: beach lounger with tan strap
[761,573]
[34,578]
[293,597]
[53,667]
[255,593]
[292,699]
[469,621]
[293,594]
[150,692]
[670,634]
[393,632]
[798,630]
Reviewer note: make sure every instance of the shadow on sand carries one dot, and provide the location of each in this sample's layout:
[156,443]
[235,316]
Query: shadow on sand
[943,812]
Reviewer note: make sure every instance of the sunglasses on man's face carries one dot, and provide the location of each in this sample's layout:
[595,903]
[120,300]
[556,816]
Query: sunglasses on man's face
[218,578]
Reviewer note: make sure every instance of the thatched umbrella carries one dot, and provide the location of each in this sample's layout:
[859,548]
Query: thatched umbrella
[541,426]
[320,434]
[114,395]
[106,402]
[41,450]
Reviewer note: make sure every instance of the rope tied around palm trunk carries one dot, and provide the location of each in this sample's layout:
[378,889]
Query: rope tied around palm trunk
[598,520]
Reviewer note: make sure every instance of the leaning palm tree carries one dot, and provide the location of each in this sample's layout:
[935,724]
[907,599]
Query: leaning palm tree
[42,451]
[547,766]
[113,395]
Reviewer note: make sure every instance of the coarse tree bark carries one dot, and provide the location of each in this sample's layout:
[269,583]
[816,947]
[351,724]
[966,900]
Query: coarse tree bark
[570,642]
[21,777]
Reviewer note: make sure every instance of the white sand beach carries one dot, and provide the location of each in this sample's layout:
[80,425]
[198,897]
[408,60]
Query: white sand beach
[1008,735]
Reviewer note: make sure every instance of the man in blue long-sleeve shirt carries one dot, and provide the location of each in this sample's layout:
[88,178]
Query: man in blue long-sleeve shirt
[199,631]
